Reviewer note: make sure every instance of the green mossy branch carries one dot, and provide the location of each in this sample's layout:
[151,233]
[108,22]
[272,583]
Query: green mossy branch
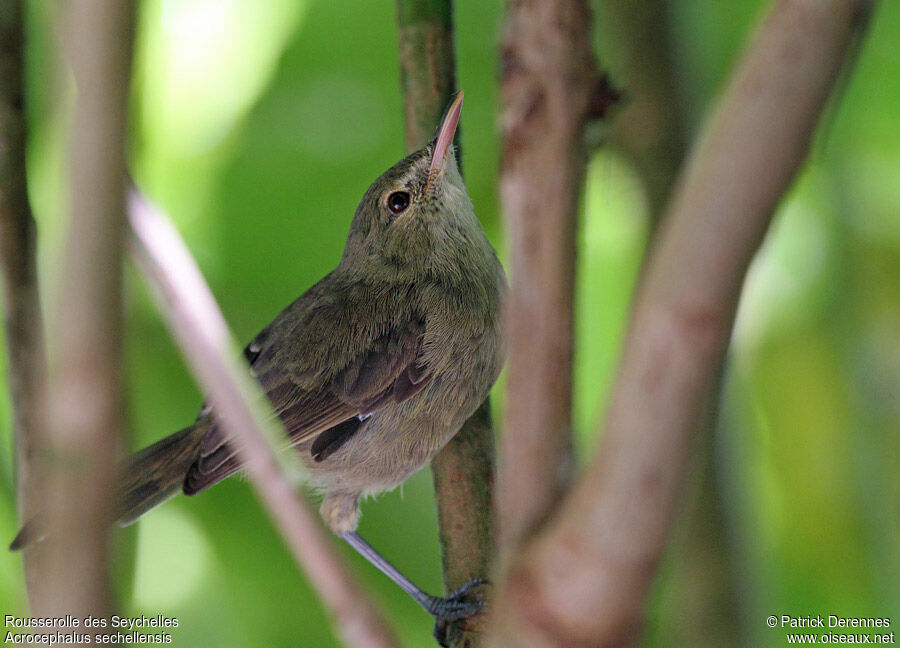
[464,470]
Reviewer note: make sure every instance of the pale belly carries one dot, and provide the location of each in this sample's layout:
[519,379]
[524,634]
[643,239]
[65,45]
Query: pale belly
[400,439]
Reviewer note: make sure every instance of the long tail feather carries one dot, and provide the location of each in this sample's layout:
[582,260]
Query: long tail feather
[157,472]
[149,477]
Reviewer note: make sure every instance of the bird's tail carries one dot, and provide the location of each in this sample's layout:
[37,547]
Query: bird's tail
[149,477]
[156,473]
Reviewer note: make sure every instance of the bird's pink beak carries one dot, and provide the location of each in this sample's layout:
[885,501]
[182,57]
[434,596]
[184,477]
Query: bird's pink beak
[444,137]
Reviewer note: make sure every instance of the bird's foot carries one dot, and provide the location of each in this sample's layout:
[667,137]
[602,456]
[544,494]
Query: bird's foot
[454,608]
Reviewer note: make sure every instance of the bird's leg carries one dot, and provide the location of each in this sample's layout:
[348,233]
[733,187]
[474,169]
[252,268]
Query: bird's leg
[450,608]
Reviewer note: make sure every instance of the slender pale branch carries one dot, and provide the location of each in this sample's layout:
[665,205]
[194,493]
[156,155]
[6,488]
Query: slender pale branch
[21,304]
[585,579]
[549,84]
[464,470]
[199,327]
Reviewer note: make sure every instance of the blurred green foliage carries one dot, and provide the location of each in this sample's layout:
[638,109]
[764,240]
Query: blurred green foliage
[259,124]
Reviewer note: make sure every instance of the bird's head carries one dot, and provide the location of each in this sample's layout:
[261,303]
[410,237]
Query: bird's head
[416,217]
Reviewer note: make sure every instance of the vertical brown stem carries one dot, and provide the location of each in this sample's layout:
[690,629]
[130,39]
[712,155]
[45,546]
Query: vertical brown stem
[85,403]
[463,480]
[463,471]
[651,131]
[584,580]
[549,82]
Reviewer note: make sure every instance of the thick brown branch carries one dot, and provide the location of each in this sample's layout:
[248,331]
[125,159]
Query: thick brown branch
[22,310]
[548,82]
[84,408]
[463,471]
[427,66]
[697,604]
[585,579]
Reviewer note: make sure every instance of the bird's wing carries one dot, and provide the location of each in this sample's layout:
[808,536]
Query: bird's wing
[311,400]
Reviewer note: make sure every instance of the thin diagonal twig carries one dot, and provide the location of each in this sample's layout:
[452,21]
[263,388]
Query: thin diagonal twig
[199,328]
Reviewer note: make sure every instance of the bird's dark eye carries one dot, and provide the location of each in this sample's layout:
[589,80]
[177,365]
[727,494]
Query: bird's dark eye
[398,201]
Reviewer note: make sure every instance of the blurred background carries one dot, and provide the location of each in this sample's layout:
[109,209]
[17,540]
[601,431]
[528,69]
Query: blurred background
[258,124]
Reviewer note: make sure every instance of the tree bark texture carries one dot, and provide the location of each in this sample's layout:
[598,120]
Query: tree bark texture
[549,84]
[84,412]
[651,131]
[584,580]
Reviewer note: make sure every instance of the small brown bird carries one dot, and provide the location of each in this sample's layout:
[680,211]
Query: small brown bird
[375,367]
